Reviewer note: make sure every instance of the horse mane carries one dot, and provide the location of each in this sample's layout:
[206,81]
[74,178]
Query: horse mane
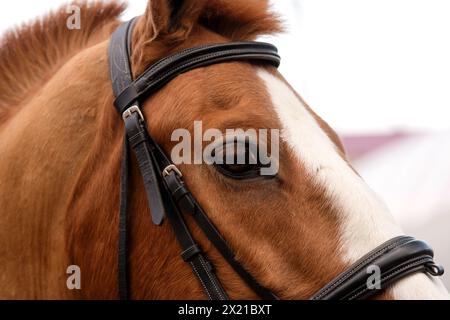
[30,53]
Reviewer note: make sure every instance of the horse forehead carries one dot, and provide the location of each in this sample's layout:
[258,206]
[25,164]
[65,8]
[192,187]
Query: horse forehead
[229,83]
[227,94]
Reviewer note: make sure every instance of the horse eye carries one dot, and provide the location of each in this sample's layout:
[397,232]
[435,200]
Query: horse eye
[238,161]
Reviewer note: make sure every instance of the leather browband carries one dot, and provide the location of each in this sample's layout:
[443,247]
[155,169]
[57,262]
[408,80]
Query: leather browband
[168,197]
[170,67]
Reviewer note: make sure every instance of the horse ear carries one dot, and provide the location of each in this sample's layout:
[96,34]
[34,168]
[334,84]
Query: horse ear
[167,23]
[170,21]
[241,20]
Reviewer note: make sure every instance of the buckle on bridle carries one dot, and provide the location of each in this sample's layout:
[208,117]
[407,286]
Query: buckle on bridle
[129,112]
[172,168]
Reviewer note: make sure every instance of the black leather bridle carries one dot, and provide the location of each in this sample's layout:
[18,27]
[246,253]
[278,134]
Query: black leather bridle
[169,197]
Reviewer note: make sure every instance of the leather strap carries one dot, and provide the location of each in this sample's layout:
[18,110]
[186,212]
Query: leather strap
[137,137]
[170,67]
[120,70]
[193,254]
[189,205]
[123,254]
[121,77]
[397,258]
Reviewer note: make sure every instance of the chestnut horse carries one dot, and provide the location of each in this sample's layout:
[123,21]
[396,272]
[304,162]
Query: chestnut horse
[61,145]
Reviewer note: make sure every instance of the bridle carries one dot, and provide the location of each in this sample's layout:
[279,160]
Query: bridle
[168,196]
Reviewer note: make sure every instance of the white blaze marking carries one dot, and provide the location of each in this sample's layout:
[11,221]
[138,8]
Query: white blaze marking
[366,222]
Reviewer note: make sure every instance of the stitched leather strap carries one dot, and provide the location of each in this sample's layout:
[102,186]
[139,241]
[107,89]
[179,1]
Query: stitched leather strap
[122,253]
[137,137]
[397,258]
[188,205]
[120,77]
[170,67]
[193,254]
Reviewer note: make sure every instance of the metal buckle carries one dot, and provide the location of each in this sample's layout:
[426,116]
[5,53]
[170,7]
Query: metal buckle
[172,168]
[130,111]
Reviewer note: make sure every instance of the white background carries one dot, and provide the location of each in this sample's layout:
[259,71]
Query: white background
[363,65]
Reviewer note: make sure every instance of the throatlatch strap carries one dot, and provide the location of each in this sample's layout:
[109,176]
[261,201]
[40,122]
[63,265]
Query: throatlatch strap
[120,77]
[123,225]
